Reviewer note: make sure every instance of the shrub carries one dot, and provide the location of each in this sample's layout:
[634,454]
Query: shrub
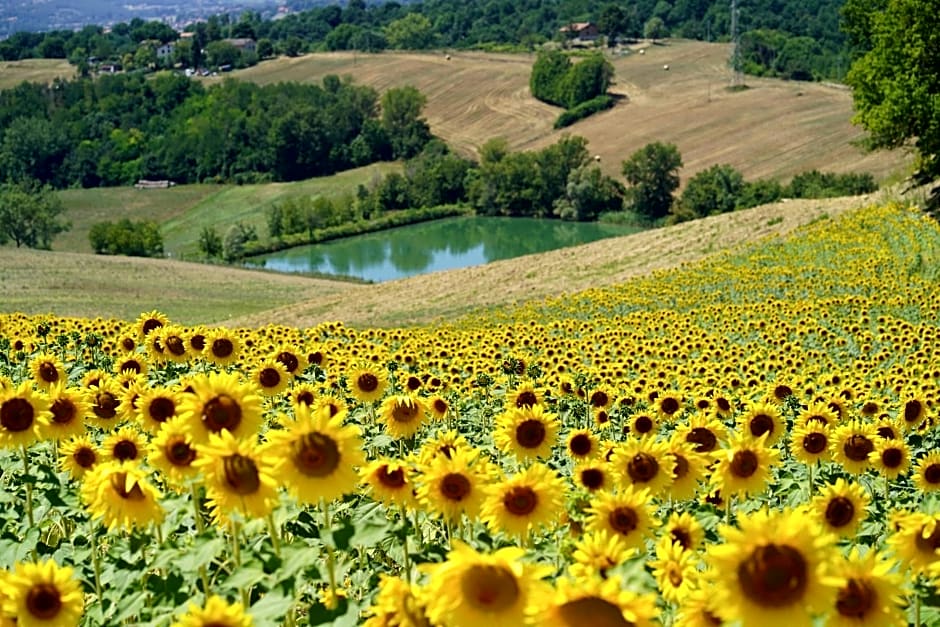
[585,109]
[135,239]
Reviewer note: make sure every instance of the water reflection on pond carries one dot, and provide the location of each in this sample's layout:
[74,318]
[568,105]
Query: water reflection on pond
[438,245]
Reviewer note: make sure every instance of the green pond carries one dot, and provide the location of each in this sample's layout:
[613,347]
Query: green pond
[438,245]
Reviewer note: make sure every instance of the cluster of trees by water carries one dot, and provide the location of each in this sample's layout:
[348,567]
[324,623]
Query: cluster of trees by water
[791,38]
[119,128]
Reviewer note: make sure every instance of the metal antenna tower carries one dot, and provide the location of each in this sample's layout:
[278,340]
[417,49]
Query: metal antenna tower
[736,45]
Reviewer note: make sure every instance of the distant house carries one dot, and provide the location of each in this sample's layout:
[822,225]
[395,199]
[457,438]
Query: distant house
[582,31]
[243,44]
[165,51]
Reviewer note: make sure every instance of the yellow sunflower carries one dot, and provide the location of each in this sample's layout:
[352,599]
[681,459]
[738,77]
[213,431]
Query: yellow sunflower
[819,414]
[121,495]
[155,406]
[397,603]
[239,477]
[124,445]
[872,595]
[452,485]
[527,432]
[471,589]
[270,377]
[773,569]
[913,412]
[78,455]
[105,399]
[43,594]
[627,513]
[927,472]
[600,399]
[674,569]
[705,433]
[217,612]
[851,444]
[222,347]
[531,499]
[293,361]
[645,463]
[133,363]
[596,552]
[523,396]
[890,428]
[315,455]
[582,445]
[840,507]
[762,419]
[69,408]
[173,338]
[698,609]
[47,370]
[593,475]
[403,415]
[150,321]
[744,467]
[438,406]
[597,603]
[367,384]
[642,424]
[688,469]
[172,451]
[390,481]
[683,529]
[445,443]
[221,402]
[891,458]
[668,405]
[809,443]
[24,416]
[303,393]
[916,539]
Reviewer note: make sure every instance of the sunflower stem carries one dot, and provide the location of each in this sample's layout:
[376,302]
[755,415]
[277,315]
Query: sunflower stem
[96,565]
[237,558]
[200,525]
[404,545]
[728,509]
[916,606]
[330,558]
[809,469]
[272,531]
[29,487]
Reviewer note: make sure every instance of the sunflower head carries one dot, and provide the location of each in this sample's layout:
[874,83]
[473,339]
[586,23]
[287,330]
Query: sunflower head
[528,432]
[24,415]
[42,593]
[840,507]
[217,612]
[367,383]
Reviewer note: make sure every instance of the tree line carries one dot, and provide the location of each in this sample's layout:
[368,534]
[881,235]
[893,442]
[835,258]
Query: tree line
[120,128]
[793,38]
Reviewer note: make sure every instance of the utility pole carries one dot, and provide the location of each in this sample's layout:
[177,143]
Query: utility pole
[736,45]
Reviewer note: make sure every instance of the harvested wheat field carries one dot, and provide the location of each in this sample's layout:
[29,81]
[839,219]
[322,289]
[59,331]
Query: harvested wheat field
[772,128]
[12,73]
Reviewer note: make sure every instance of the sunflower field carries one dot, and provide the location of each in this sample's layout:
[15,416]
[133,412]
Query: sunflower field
[747,440]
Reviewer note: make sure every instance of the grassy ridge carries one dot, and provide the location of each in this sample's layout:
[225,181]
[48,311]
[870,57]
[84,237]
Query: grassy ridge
[12,73]
[183,211]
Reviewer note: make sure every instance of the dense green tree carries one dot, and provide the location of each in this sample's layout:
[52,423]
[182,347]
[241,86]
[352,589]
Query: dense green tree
[586,80]
[411,32]
[33,148]
[126,237]
[407,131]
[219,53]
[652,173]
[655,28]
[265,48]
[30,215]
[710,192]
[548,73]
[896,86]
[210,242]
[588,193]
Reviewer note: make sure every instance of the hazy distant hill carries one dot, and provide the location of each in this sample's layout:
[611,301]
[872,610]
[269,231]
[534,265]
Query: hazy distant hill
[44,15]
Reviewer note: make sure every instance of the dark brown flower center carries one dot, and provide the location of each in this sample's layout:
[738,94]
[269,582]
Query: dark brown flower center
[856,599]
[857,447]
[761,424]
[269,377]
[773,576]
[221,412]
[16,415]
[885,432]
[815,443]
[591,612]
[179,453]
[367,382]
[642,424]
[592,478]
[840,511]
[489,588]
[119,485]
[63,411]
[105,406]
[623,520]
[48,372]
[222,347]
[580,445]
[161,409]
[682,537]
[288,360]
[642,468]
[241,474]
[150,324]
[44,601]
[413,383]
[85,457]
[520,501]
[455,486]
[394,479]
[316,357]
[530,433]
[175,345]
[705,441]
[440,406]
[681,467]
[930,543]
[405,412]
[316,454]
[932,473]
[526,398]
[782,391]
[912,411]
[669,405]
[599,399]
[128,344]
[744,464]
[892,458]
[723,404]
[198,342]
[125,450]
[305,398]
[817,418]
